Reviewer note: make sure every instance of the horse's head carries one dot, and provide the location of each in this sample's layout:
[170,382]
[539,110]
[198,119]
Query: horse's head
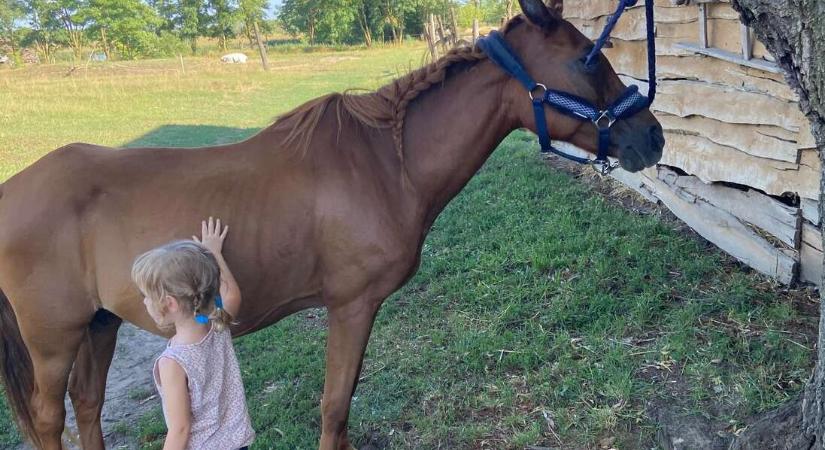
[553,53]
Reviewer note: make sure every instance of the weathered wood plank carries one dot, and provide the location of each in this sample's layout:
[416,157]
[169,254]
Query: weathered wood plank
[589,9]
[722,33]
[716,71]
[747,52]
[760,51]
[753,207]
[763,141]
[635,181]
[643,86]
[810,210]
[806,138]
[811,255]
[711,162]
[628,58]
[684,98]
[593,9]
[811,235]
[729,56]
[727,232]
[810,265]
[722,11]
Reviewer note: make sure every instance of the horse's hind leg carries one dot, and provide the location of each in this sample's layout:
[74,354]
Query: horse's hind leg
[87,383]
[52,352]
[52,319]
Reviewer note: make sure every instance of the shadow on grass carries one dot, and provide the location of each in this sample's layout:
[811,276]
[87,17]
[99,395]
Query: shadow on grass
[191,136]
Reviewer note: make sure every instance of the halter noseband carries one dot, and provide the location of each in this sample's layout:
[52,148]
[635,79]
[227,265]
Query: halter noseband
[628,104]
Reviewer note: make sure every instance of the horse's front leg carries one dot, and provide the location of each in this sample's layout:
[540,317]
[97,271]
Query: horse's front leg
[349,330]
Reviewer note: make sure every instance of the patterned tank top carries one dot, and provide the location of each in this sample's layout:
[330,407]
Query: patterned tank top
[220,420]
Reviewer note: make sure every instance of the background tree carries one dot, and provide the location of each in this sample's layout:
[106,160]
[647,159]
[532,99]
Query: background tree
[43,37]
[300,17]
[68,15]
[11,14]
[252,12]
[222,15]
[794,33]
[130,26]
[370,19]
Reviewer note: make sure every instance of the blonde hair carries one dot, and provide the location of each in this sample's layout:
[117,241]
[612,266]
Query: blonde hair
[185,270]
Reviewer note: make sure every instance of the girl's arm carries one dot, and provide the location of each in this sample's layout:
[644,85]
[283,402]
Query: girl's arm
[212,237]
[176,402]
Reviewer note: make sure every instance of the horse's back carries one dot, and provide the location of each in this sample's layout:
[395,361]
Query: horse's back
[38,195]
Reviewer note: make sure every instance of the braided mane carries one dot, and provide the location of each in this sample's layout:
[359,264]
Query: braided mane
[384,108]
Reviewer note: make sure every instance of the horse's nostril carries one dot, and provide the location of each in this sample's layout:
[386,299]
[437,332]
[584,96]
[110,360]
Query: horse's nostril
[657,137]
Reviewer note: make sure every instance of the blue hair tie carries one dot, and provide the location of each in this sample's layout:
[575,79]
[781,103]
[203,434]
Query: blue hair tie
[218,302]
[201,319]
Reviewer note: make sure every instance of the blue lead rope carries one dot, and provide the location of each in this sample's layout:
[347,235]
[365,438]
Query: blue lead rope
[651,41]
[629,103]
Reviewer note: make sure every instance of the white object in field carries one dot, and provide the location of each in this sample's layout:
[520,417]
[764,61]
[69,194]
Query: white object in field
[234,58]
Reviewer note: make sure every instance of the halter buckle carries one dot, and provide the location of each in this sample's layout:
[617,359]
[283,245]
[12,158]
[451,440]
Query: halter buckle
[603,167]
[602,116]
[538,85]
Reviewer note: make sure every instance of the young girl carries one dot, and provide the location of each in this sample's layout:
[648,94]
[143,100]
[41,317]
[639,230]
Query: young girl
[188,286]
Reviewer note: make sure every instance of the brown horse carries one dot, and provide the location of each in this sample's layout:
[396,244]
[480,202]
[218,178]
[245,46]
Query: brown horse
[329,207]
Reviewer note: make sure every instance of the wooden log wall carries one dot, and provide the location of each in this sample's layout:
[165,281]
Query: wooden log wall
[740,165]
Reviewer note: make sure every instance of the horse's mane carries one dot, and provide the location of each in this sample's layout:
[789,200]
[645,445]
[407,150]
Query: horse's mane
[382,109]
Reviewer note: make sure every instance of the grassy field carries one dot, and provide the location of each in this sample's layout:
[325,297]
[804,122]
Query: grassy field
[543,313]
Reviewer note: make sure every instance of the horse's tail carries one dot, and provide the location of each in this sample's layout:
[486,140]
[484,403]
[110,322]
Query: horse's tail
[16,369]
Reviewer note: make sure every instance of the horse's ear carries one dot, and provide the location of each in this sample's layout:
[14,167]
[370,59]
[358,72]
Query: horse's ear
[537,13]
[556,5]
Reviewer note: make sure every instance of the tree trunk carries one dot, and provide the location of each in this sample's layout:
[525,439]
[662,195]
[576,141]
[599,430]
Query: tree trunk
[311,28]
[453,26]
[104,43]
[794,33]
[365,26]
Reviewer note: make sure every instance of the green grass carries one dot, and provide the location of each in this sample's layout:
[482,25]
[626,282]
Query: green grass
[540,308]
[115,103]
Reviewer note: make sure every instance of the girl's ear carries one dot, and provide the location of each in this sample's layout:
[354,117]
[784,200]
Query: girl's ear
[171,303]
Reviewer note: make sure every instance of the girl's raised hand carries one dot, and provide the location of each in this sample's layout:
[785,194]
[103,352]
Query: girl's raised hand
[212,235]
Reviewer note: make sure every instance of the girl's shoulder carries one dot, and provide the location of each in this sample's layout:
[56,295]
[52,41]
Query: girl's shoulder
[168,366]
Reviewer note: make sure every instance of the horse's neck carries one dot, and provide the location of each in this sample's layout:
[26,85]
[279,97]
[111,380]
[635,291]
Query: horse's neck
[451,131]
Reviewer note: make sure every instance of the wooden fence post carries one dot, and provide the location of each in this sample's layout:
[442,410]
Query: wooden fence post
[261,47]
[432,40]
[441,33]
[454,24]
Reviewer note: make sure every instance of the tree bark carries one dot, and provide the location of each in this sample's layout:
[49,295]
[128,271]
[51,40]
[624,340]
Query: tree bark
[794,33]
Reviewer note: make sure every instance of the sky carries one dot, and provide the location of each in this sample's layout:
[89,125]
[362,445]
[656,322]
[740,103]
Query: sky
[273,6]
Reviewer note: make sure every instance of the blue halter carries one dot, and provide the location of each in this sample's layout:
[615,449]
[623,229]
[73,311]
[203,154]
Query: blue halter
[628,104]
